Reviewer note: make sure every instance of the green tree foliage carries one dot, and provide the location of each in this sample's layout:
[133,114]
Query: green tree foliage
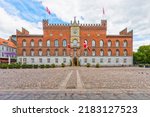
[142,56]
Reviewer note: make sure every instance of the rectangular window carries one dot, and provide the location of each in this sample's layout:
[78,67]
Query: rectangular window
[24,60]
[40,60]
[64,60]
[56,60]
[109,60]
[101,60]
[20,60]
[125,60]
[93,60]
[85,60]
[32,60]
[48,60]
[117,60]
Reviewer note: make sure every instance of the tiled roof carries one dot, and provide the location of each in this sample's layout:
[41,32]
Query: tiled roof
[9,43]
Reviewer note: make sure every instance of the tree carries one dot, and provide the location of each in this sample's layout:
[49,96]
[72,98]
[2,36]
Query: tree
[142,56]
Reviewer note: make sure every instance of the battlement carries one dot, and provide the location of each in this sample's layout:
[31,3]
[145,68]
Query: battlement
[125,32]
[23,32]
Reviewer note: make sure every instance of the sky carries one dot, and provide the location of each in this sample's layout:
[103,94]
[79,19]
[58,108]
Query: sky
[133,14]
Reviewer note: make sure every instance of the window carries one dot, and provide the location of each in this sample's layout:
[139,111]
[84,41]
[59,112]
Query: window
[32,52]
[86,42]
[40,52]
[125,60]
[48,43]
[56,43]
[64,60]
[56,52]
[93,53]
[101,43]
[109,43]
[93,60]
[24,43]
[125,43]
[40,43]
[48,52]
[32,43]
[117,43]
[93,43]
[32,60]
[20,60]
[85,53]
[101,60]
[64,52]
[117,60]
[109,60]
[109,53]
[64,43]
[56,60]
[24,60]
[24,52]
[117,53]
[85,60]
[125,52]
[101,53]
[75,43]
[40,60]
[48,60]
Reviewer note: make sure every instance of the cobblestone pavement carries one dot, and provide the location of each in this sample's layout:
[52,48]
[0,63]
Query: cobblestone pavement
[75,83]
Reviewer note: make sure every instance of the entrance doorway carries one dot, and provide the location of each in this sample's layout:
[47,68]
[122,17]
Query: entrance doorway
[75,61]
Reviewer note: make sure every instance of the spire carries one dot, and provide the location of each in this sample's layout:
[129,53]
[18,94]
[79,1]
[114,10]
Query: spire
[75,20]
[75,23]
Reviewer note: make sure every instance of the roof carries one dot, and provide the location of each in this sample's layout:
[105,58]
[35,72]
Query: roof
[9,43]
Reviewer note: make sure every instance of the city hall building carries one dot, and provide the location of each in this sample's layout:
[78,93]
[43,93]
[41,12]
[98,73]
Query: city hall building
[65,43]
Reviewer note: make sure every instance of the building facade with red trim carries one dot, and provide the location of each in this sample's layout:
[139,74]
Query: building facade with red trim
[64,43]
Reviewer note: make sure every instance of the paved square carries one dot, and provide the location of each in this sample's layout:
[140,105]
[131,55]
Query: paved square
[75,83]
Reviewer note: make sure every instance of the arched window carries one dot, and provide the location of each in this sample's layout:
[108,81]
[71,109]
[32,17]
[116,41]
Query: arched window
[24,52]
[109,43]
[48,43]
[56,52]
[64,43]
[32,43]
[85,53]
[125,43]
[101,43]
[75,43]
[125,52]
[101,52]
[24,43]
[56,43]
[64,52]
[93,43]
[117,53]
[93,53]
[40,43]
[32,52]
[117,43]
[40,52]
[109,52]
[48,52]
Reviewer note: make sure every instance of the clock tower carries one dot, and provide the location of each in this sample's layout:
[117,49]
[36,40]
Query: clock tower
[75,34]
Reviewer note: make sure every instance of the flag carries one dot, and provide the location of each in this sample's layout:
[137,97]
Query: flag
[68,45]
[48,11]
[85,44]
[88,48]
[103,11]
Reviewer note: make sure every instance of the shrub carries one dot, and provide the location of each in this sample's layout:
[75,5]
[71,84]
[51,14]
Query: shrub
[29,66]
[53,65]
[62,65]
[11,66]
[97,65]
[141,65]
[4,66]
[24,66]
[42,66]
[35,66]
[88,65]
[47,66]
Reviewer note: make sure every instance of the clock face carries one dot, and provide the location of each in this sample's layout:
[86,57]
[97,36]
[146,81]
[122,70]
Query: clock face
[75,32]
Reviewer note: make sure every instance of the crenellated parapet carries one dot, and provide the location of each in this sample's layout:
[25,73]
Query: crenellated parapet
[126,33]
[23,32]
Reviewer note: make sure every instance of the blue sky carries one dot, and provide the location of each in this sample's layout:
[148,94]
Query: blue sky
[119,14]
